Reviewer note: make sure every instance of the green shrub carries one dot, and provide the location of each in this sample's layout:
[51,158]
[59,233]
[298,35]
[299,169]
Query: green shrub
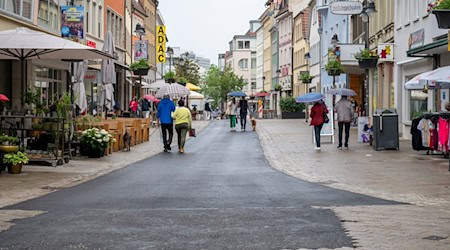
[288,104]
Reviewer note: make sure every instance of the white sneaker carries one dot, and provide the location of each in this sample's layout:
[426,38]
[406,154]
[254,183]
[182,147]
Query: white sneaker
[317,148]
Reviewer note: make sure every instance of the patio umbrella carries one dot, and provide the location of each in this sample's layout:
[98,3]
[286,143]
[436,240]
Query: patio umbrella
[79,70]
[150,98]
[342,92]
[3,98]
[430,78]
[192,86]
[156,85]
[262,94]
[310,97]
[196,95]
[236,94]
[23,44]
[108,73]
[174,90]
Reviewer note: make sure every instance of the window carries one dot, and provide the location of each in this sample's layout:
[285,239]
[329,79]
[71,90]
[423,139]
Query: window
[114,24]
[418,101]
[240,45]
[99,21]
[247,44]
[48,14]
[243,64]
[88,9]
[253,63]
[49,83]
[21,8]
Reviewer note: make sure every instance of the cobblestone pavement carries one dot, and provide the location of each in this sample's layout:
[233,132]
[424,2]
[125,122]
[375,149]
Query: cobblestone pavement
[420,180]
[35,181]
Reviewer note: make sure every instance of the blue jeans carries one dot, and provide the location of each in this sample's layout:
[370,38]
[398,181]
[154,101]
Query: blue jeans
[317,129]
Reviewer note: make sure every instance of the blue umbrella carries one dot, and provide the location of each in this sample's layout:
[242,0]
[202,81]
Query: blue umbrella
[237,94]
[310,97]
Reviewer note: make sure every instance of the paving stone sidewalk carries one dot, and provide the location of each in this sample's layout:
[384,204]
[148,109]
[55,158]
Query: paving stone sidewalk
[422,181]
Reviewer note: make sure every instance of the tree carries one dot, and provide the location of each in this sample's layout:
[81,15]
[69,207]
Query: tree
[219,84]
[187,70]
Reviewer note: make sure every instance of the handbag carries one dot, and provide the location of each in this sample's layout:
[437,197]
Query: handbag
[325,118]
[192,132]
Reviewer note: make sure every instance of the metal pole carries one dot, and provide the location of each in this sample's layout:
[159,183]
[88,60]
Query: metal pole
[366,71]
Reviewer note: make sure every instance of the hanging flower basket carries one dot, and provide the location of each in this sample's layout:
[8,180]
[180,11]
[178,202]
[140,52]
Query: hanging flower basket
[368,63]
[141,72]
[443,18]
[333,72]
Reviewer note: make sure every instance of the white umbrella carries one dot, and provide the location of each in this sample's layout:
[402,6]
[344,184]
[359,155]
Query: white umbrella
[438,75]
[342,92]
[78,88]
[156,85]
[23,44]
[196,95]
[174,90]
[108,72]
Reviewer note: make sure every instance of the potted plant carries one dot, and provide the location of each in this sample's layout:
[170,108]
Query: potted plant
[334,68]
[367,59]
[278,87]
[31,98]
[140,67]
[169,77]
[290,109]
[95,141]
[9,144]
[15,161]
[306,77]
[63,106]
[441,9]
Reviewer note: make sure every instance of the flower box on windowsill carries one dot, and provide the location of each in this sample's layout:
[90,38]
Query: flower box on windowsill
[443,18]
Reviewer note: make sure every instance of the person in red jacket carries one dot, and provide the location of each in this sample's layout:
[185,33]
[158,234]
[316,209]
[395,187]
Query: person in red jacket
[318,112]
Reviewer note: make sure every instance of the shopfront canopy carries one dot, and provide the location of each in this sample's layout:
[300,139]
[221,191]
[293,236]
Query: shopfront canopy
[432,79]
[23,43]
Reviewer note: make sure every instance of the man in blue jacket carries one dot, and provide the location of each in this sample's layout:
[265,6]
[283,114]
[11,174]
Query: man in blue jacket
[165,109]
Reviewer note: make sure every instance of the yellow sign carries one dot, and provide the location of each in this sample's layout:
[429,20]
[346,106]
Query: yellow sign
[448,40]
[161,44]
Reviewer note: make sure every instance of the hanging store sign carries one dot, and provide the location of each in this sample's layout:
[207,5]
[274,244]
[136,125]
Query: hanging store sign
[416,39]
[140,50]
[161,44]
[346,8]
[386,52]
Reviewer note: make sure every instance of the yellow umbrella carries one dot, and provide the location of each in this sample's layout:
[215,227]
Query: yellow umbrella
[191,86]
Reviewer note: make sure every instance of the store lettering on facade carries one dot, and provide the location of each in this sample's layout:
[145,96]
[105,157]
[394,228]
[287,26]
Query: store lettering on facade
[346,8]
[161,44]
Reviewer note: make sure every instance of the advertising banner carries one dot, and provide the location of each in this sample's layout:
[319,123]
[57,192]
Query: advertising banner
[140,50]
[161,44]
[72,23]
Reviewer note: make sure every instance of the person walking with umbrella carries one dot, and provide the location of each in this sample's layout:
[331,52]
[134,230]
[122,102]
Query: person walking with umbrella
[243,108]
[232,112]
[183,122]
[318,112]
[345,114]
[164,115]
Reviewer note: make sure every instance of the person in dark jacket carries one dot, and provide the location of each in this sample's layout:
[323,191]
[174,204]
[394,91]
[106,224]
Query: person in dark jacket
[145,104]
[243,109]
[164,115]
[318,112]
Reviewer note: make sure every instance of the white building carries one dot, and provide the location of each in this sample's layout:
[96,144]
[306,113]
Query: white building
[420,46]
[259,60]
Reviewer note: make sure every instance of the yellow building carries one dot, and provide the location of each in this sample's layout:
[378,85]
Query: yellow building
[267,22]
[301,52]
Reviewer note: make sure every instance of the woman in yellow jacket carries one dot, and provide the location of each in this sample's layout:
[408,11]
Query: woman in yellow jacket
[183,122]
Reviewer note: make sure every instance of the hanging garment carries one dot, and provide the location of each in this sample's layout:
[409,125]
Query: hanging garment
[443,135]
[416,135]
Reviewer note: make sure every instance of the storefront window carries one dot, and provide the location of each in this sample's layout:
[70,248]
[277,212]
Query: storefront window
[49,84]
[18,7]
[418,101]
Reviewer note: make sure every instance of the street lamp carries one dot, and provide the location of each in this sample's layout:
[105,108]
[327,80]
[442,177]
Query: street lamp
[368,11]
[170,52]
[140,31]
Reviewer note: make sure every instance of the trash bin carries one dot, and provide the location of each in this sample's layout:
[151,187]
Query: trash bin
[385,130]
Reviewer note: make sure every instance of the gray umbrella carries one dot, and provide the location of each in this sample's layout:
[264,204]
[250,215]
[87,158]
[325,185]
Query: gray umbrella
[108,73]
[78,88]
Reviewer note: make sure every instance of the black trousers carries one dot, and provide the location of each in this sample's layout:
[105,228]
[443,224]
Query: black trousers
[317,129]
[243,120]
[341,126]
[167,129]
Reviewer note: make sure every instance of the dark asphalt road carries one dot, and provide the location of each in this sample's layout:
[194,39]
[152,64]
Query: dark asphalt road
[221,194]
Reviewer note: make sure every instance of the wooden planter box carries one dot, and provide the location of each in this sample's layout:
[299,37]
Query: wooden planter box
[368,63]
[141,72]
[443,18]
[293,115]
[334,72]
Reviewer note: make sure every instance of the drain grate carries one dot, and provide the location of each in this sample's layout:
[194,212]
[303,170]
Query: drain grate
[434,237]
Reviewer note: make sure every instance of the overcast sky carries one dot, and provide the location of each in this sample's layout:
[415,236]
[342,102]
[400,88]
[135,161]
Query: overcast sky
[206,26]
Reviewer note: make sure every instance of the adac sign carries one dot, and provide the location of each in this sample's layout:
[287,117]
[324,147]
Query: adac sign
[160,44]
[346,8]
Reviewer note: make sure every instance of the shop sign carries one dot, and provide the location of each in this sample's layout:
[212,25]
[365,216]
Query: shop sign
[91,44]
[90,76]
[386,52]
[160,44]
[72,22]
[346,8]
[416,39]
